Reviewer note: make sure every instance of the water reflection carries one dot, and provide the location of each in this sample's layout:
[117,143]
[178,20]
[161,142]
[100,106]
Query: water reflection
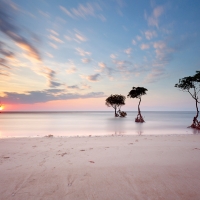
[139,128]
[139,132]
[93,123]
[195,131]
[116,125]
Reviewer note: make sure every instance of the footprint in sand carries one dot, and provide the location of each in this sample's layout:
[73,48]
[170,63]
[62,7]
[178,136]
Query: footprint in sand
[41,163]
[63,154]
[70,180]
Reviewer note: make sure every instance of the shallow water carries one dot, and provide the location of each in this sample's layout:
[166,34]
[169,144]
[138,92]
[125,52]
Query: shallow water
[39,124]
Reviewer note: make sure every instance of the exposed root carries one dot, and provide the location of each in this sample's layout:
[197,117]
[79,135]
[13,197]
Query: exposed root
[195,124]
[139,118]
[121,114]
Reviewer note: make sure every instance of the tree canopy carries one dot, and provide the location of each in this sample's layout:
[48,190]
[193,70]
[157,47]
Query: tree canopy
[190,82]
[137,92]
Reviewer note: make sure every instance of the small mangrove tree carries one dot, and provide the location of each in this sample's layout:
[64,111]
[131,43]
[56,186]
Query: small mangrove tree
[116,101]
[191,84]
[137,92]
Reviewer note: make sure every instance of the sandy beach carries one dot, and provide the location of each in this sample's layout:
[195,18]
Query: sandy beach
[100,168]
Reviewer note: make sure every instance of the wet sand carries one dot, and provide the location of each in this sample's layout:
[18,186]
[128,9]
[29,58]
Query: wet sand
[100,168]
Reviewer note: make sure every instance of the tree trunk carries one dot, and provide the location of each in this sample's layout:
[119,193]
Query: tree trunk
[197,109]
[195,123]
[116,115]
[139,113]
[139,116]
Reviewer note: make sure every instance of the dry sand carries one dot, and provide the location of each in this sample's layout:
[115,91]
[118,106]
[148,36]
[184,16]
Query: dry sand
[99,168]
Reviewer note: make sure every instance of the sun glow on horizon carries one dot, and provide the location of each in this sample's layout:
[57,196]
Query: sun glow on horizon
[1,108]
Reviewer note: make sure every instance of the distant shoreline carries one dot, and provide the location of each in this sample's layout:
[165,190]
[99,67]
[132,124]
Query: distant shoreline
[82,111]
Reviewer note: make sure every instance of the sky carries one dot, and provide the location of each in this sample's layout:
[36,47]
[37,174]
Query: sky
[71,55]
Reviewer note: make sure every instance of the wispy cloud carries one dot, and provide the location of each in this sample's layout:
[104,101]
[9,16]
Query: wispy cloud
[66,11]
[53,45]
[8,27]
[128,69]
[4,50]
[123,65]
[81,52]
[32,97]
[134,42]
[56,39]
[50,75]
[128,51]
[153,19]
[121,3]
[17,8]
[144,46]
[163,53]
[92,78]
[113,56]
[31,51]
[75,35]
[159,45]
[105,69]
[86,60]
[82,86]
[80,37]
[44,14]
[71,67]
[85,86]
[73,87]
[150,34]
[102,65]
[102,17]
[4,68]
[49,55]
[139,38]
[82,11]
[68,38]
[155,75]
[53,32]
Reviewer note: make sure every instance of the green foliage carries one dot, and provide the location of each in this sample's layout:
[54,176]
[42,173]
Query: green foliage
[137,92]
[115,100]
[190,82]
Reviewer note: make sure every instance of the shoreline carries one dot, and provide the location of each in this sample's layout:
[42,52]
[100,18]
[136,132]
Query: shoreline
[94,136]
[102,167]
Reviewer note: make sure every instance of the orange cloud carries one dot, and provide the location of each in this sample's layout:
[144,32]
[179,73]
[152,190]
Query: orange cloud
[31,52]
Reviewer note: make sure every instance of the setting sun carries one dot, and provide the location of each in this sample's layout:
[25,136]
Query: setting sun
[1,108]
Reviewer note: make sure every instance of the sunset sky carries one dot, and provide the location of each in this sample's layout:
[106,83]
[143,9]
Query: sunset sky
[71,55]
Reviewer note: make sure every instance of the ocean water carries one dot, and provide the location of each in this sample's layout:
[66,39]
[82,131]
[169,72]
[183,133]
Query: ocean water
[39,124]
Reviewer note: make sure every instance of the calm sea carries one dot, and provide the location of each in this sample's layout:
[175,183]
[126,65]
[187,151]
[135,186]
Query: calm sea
[39,124]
